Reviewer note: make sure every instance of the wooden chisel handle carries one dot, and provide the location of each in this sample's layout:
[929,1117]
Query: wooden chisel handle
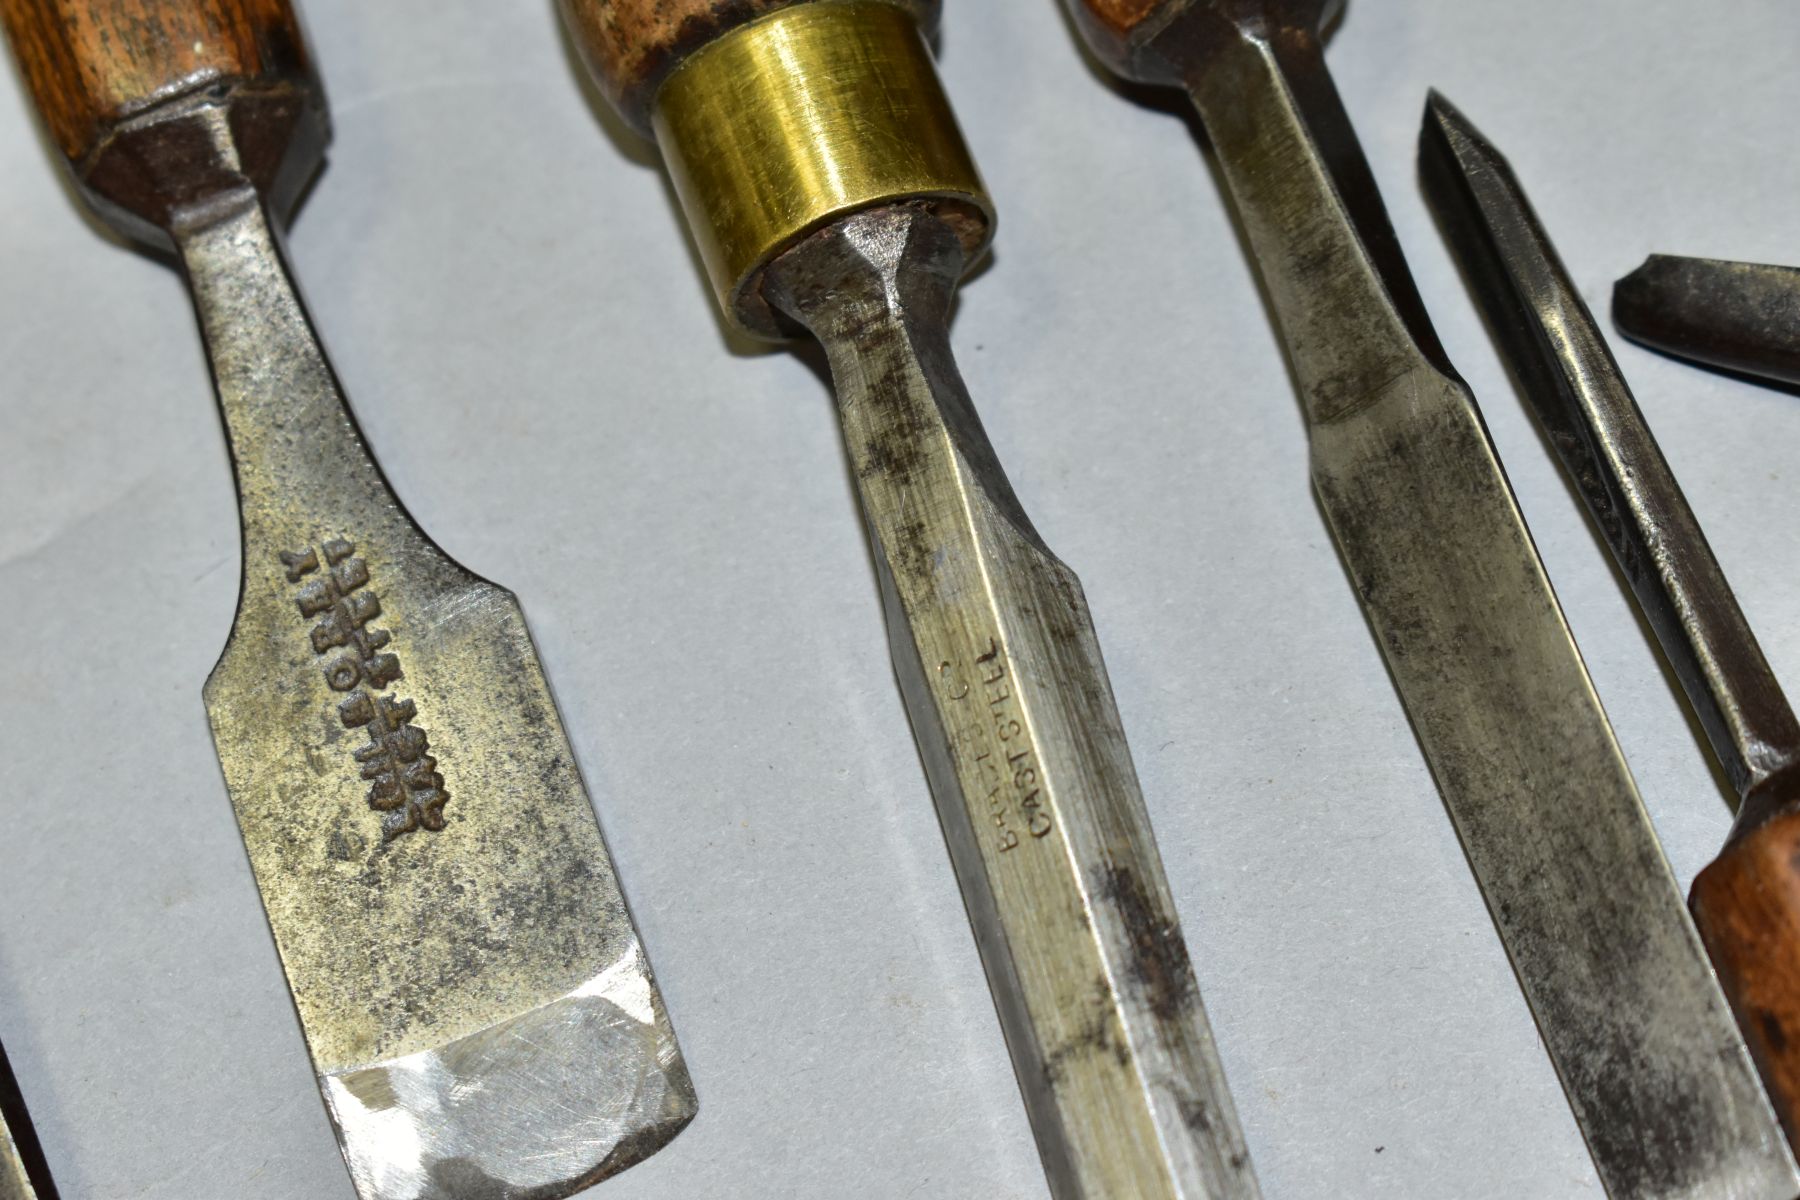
[1747,907]
[631,46]
[106,73]
[1123,34]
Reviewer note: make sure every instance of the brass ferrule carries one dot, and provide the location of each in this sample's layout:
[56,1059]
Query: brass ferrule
[803,117]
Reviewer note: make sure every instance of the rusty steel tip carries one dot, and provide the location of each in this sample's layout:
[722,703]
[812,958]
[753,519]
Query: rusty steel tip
[1735,316]
[1448,136]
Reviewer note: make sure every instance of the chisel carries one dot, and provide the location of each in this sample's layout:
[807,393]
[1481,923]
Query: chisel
[1737,315]
[1474,638]
[830,191]
[23,1173]
[478,1009]
[1747,902]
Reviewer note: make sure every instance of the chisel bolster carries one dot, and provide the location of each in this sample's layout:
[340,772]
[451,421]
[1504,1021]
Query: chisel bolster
[161,108]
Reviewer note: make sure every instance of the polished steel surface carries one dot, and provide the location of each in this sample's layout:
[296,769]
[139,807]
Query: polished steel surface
[801,117]
[1015,721]
[470,985]
[1570,377]
[1736,315]
[1474,638]
[23,1172]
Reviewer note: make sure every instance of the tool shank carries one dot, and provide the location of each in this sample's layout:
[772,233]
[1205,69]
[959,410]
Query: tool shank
[1739,316]
[1747,903]
[1474,638]
[1003,679]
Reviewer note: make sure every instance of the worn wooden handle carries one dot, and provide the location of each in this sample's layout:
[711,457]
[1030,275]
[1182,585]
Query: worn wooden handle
[1747,907]
[631,46]
[1114,28]
[93,64]
[161,105]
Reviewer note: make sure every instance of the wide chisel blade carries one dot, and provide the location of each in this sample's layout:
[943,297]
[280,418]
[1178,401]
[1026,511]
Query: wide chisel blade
[480,1014]
[1475,640]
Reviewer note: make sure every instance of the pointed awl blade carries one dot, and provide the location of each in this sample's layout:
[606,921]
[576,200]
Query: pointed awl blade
[1556,350]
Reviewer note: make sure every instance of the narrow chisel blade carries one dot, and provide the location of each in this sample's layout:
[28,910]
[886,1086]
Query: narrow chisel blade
[1026,755]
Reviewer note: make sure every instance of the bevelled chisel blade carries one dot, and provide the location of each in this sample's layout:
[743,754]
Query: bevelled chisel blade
[1736,315]
[1002,675]
[478,1008]
[480,1014]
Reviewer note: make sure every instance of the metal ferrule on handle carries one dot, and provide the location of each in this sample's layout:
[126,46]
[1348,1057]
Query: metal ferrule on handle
[805,116]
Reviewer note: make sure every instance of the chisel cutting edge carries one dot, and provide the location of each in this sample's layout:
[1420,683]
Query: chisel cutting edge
[478,1009]
[829,189]
[1747,903]
[1474,638]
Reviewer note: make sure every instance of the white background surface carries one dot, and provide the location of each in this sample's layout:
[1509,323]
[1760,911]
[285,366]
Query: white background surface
[510,298]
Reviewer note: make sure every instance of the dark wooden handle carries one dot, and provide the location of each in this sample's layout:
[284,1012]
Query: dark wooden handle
[632,45]
[1747,906]
[1113,28]
[92,64]
[1123,33]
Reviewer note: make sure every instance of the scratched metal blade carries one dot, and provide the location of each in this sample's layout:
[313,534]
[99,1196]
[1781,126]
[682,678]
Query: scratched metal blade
[1560,357]
[1010,704]
[1740,316]
[478,1009]
[1475,641]
[23,1173]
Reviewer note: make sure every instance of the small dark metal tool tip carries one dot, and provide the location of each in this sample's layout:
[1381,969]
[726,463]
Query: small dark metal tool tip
[24,1174]
[1735,315]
